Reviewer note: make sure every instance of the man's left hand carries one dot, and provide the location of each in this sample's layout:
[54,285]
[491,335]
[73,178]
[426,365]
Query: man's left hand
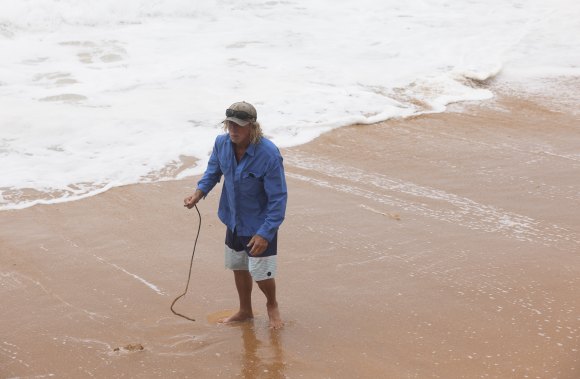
[257,245]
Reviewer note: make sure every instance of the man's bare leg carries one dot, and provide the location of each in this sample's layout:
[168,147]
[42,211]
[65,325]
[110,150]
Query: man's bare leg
[244,284]
[268,286]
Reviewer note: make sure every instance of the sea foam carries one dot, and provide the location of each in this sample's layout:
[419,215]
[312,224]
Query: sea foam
[102,94]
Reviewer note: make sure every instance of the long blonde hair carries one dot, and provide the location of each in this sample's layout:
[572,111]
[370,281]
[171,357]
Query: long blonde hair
[255,133]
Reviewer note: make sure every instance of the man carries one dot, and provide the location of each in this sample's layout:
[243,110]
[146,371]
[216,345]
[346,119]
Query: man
[252,206]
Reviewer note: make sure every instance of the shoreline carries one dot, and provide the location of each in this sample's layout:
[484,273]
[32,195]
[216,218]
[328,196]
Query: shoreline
[566,105]
[439,245]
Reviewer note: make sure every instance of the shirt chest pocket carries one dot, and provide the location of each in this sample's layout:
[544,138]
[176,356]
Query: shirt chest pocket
[252,182]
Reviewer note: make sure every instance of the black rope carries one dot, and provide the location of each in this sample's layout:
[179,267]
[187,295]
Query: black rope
[188,276]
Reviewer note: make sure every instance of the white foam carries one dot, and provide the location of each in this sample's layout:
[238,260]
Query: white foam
[111,93]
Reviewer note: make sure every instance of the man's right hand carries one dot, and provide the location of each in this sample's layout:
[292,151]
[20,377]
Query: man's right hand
[190,201]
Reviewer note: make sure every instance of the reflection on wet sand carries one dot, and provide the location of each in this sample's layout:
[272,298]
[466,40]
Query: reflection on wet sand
[260,359]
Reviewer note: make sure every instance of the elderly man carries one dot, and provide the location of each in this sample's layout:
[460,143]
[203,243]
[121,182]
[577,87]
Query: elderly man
[252,206]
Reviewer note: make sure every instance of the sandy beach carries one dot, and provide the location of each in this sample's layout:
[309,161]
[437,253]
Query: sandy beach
[441,246]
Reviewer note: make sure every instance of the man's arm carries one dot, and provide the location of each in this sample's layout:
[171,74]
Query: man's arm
[277,195]
[210,178]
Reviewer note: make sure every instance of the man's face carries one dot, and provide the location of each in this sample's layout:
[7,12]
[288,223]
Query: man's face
[240,135]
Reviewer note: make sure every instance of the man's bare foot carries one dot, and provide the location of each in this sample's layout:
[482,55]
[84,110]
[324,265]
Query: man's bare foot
[238,317]
[274,315]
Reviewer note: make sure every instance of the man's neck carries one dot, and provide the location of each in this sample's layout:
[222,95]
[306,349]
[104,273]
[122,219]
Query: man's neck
[242,146]
[240,150]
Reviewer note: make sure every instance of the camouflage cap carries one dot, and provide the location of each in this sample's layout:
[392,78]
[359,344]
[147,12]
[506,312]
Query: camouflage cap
[241,113]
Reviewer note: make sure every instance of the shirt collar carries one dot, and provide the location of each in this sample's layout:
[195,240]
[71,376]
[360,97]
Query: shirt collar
[251,149]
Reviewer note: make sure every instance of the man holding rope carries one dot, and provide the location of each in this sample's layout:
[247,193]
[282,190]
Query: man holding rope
[252,206]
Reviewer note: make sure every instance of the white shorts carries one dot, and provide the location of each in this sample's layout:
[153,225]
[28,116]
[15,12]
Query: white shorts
[261,268]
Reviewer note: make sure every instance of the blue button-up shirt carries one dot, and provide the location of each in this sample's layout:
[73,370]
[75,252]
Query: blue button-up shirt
[253,199]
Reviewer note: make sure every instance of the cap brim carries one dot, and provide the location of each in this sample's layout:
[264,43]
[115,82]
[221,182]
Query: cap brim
[237,121]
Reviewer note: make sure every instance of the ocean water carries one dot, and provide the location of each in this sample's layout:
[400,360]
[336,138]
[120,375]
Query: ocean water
[95,95]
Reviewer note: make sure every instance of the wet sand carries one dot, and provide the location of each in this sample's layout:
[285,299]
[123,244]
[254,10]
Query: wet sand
[442,246]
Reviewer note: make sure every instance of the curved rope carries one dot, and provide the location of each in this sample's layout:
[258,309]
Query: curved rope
[189,275]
